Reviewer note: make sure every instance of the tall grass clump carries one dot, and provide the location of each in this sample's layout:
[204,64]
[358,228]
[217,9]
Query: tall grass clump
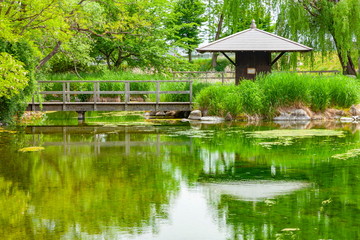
[317,92]
[343,91]
[270,92]
[251,97]
[219,99]
[284,89]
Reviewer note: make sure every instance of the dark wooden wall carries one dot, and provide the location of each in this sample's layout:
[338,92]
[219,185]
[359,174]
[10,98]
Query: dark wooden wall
[261,61]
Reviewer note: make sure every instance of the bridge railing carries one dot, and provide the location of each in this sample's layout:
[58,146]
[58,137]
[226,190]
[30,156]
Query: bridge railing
[67,92]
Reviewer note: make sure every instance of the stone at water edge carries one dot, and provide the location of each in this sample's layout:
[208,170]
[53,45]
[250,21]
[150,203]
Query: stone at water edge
[228,117]
[212,119]
[170,113]
[299,114]
[160,114]
[355,110]
[195,115]
[293,115]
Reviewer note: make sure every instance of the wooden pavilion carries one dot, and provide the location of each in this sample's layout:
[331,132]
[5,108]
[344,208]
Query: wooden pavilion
[253,48]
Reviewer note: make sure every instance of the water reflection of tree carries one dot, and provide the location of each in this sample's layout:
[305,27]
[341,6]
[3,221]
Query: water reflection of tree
[327,210]
[74,191]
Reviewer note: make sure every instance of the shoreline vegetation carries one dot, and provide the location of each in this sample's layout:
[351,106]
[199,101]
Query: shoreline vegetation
[280,93]
[270,97]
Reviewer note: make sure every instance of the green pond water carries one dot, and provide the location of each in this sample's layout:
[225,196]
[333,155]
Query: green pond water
[120,177]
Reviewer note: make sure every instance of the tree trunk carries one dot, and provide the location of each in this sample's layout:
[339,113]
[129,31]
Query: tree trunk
[189,55]
[217,36]
[119,59]
[50,55]
[347,64]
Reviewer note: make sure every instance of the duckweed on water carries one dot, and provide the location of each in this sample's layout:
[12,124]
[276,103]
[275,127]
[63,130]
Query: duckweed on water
[295,133]
[349,154]
[283,142]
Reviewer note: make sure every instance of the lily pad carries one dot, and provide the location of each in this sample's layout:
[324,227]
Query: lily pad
[31,149]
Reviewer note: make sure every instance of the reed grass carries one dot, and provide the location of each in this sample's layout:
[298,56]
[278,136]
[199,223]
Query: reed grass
[269,92]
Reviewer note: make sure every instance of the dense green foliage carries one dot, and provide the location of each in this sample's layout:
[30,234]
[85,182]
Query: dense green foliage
[270,92]
[325,25]
[16,78]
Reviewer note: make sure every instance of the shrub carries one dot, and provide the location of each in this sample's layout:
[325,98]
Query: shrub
[251,96]
[269,92]
[344,91]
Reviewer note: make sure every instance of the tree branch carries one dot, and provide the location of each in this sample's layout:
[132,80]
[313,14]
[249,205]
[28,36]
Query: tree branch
[50,55]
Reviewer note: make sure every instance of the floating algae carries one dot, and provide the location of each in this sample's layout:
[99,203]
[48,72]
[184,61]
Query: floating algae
[31,149]
[7,131]
[295,133]
[195,133]
[281,142]
[349,154]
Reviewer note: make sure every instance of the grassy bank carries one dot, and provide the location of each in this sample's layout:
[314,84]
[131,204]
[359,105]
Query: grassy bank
[270,92]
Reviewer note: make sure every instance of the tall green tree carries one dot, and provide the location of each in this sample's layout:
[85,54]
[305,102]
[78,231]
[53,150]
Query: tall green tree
[184,25]
[325,25]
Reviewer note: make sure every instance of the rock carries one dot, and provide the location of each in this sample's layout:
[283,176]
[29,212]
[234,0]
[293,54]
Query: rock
[346,119]
[182,114]
[152,113]
[355,110]
[170,113]
[212,119]
[195,115]
[283,117]
[160,114]
[228,117]
[299,115]
[293,115]
[318,117]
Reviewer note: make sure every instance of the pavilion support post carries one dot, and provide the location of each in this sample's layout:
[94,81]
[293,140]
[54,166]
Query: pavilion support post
[229,58]
[277,58]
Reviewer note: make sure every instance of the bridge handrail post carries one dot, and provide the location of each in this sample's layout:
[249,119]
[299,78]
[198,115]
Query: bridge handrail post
[64,95]
[68,90]
[191,90]
[157,95]
[127,94]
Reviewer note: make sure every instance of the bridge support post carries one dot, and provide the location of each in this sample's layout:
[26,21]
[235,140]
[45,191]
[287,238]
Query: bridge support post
[81,116]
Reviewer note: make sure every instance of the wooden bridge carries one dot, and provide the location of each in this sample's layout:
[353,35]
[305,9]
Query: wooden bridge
[67,98]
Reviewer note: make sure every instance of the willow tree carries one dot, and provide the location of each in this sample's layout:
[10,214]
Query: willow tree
[325,25]
[235,15]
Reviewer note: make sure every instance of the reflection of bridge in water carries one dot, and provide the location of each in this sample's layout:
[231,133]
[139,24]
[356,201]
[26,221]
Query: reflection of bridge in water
[99,133]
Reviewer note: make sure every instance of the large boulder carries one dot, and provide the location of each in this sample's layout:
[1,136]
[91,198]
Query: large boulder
[195,115]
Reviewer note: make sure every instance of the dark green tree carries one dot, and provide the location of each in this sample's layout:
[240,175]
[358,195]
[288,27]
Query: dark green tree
[184,24]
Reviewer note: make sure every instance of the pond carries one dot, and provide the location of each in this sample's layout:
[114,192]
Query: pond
[173,180]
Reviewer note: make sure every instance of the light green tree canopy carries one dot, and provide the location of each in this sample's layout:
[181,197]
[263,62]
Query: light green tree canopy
[12,76]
